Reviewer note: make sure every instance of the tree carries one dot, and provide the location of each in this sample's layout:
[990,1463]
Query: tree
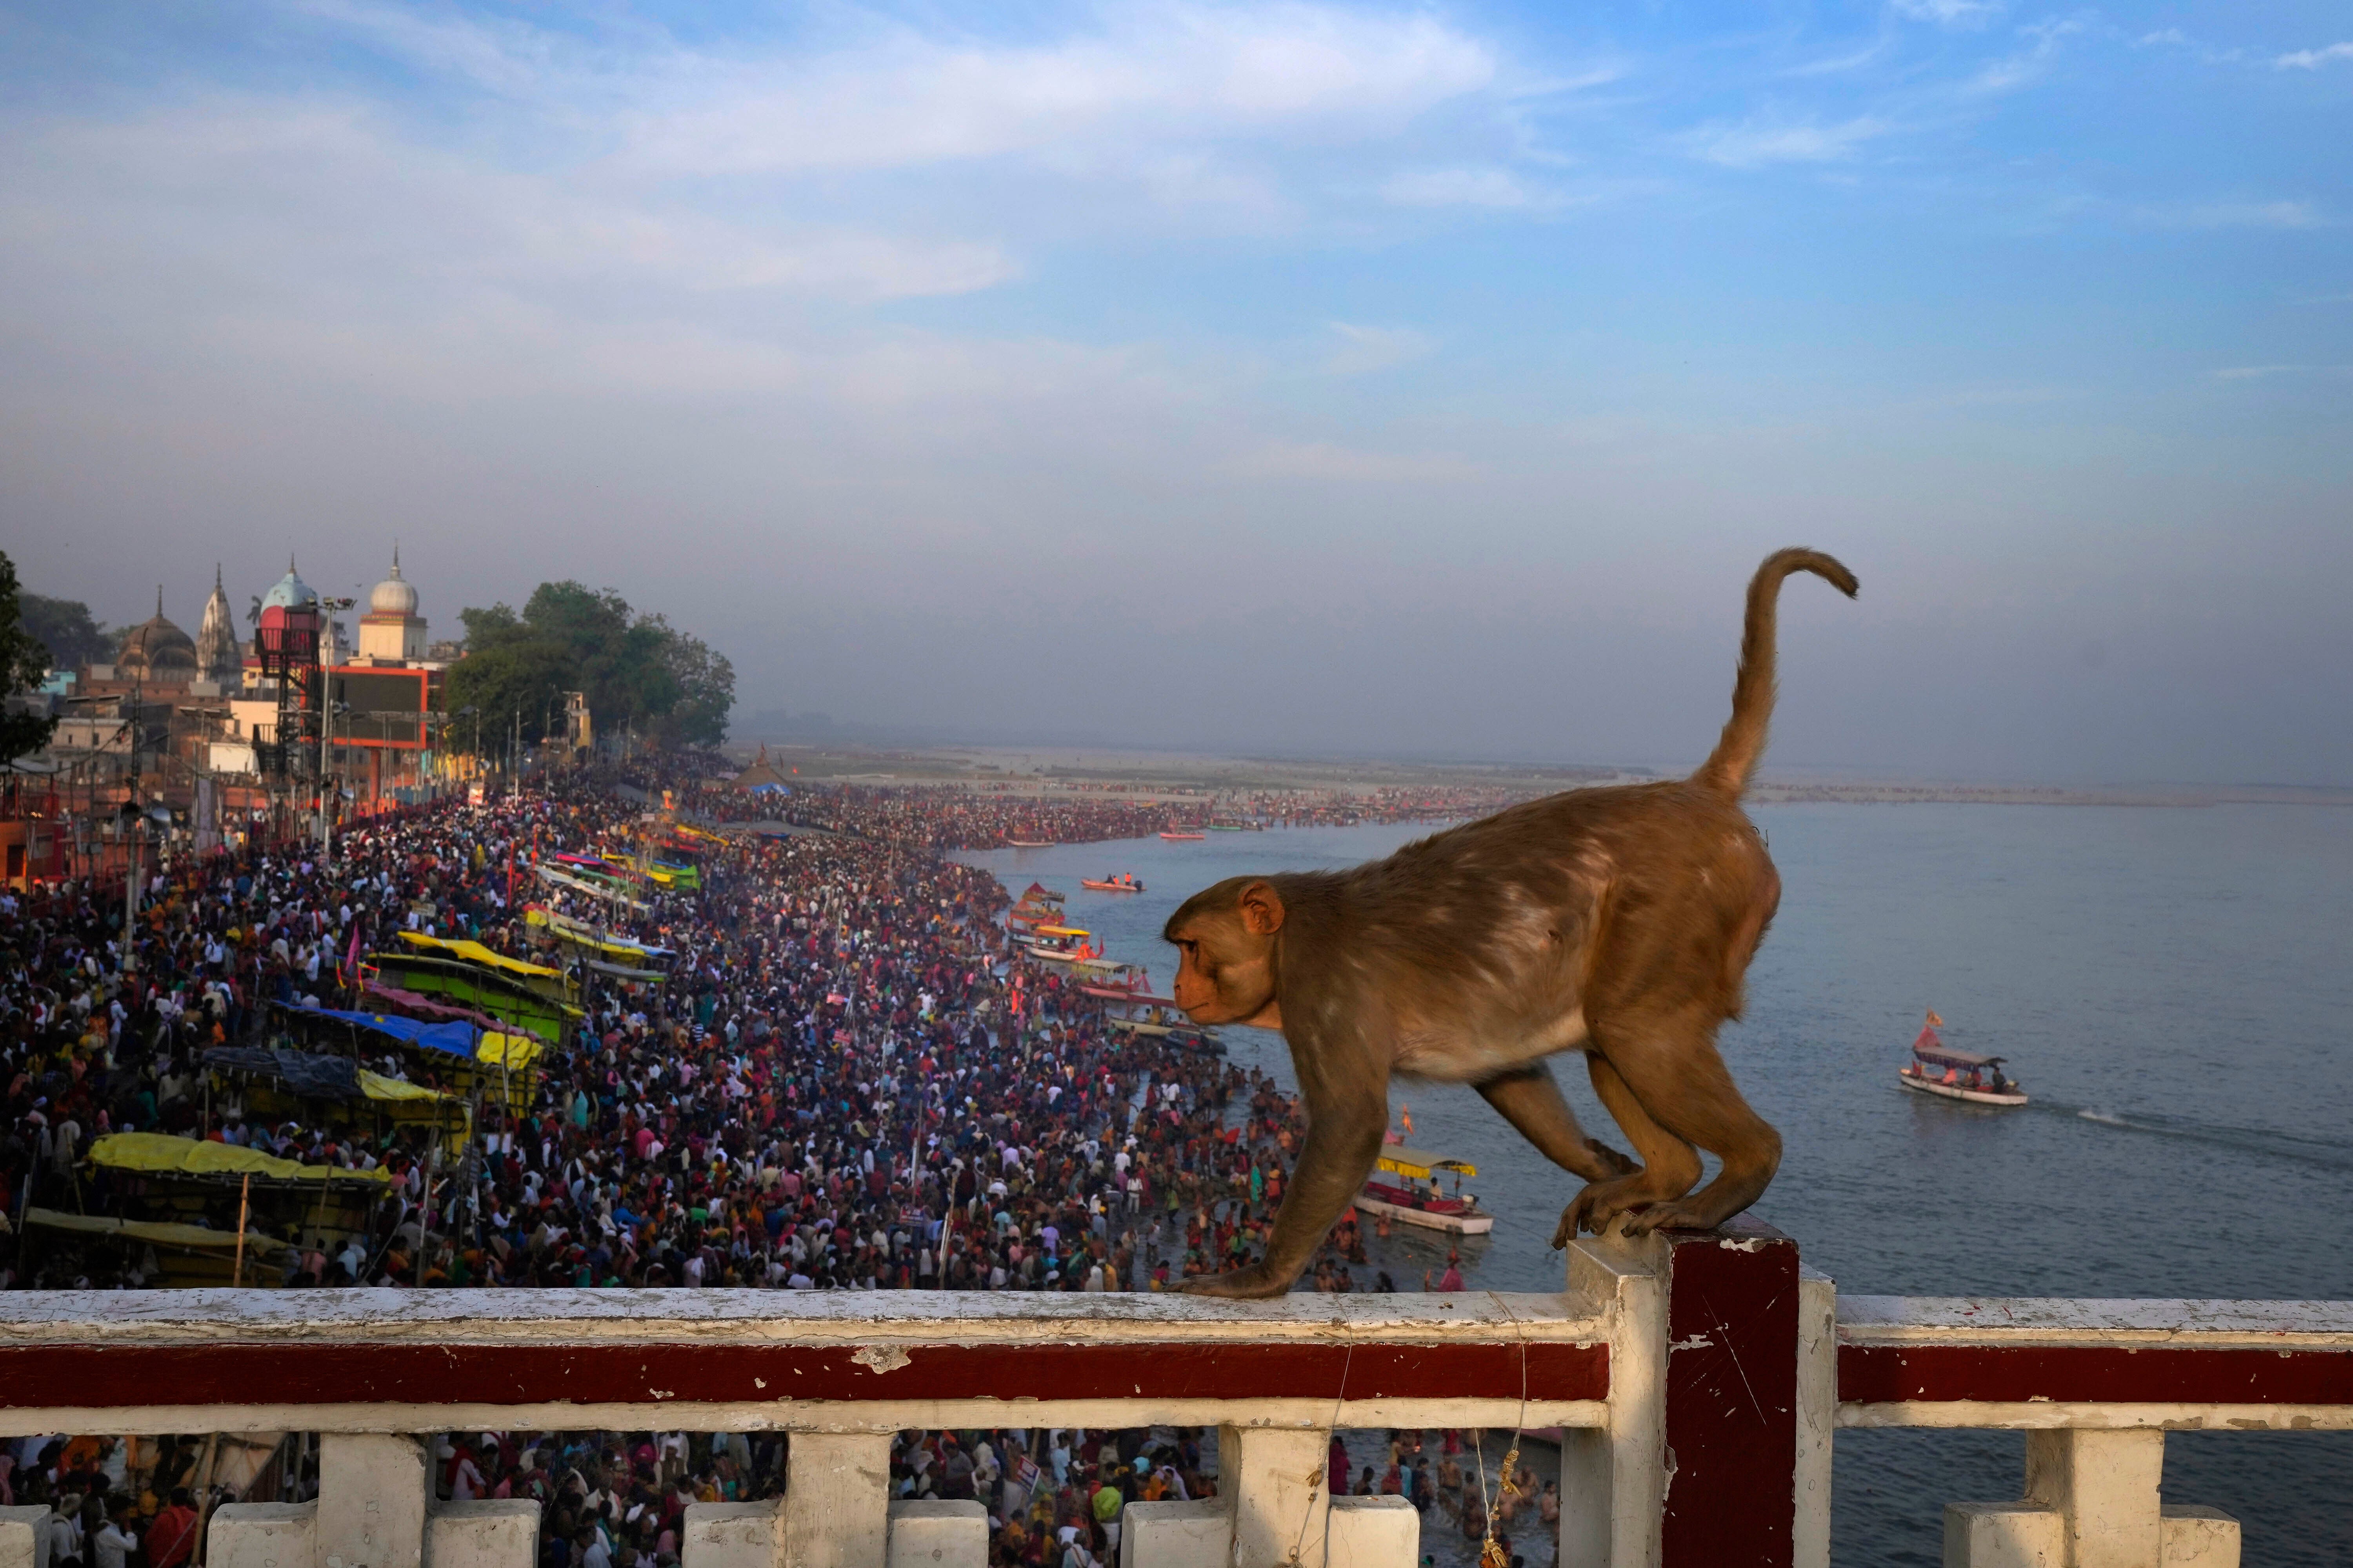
[636,669]
[23,664]
[67,629]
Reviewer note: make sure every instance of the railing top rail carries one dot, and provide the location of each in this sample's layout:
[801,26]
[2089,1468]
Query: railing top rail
[1998,1320]
[541,1316]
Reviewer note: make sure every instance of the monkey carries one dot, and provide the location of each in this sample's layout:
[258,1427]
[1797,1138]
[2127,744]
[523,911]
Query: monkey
[1617,921]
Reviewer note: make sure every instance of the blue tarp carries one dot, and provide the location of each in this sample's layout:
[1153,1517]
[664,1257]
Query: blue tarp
[769,789]
[457,1038]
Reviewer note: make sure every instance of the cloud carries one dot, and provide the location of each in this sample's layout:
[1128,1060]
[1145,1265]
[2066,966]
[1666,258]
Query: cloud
[2029,64]
[1485,186]
[1753,143]
[1327,461]
[2265,372]
[2233,214]
[2313,60]
[1948,13]
[328,193]
[1362,349]
[1163,73]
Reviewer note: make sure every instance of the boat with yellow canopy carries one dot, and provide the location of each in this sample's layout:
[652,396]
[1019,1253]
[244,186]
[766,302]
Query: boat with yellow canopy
[1413,1197]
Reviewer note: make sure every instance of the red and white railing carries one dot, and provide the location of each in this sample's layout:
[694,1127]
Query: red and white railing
[1697,1380]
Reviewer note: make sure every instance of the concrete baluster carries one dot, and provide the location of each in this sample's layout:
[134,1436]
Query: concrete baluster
[1276,1477]
[494,1532]
[262,1535]
[932,1534]
[374,1490]
[1197,1534]
[1374,1533]
[2091,1501]
[25,1537]
[2103,1485]
[836,1511]
[733,1535]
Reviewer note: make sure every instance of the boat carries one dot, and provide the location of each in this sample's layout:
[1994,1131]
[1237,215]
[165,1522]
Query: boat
[1183,837]
[1030,843]
[1229,827]
[1409,1202]
[1125,882]
[1038,906]
[1132,1010]
[1061,944]
[1937,1069]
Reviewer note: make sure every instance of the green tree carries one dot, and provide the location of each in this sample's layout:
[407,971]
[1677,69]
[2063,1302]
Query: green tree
[638,670]
[66,627]
[23,664]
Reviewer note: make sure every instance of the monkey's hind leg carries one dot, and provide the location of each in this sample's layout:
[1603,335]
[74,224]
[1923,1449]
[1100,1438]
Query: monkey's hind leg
[1670,1165]
[1682,1082]
[1530,1100]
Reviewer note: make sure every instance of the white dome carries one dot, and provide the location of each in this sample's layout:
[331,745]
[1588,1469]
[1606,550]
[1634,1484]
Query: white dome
[395,595]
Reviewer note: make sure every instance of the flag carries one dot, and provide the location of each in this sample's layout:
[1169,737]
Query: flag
[1934,1021]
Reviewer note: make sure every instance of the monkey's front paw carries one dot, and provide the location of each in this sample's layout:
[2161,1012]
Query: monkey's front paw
[1666,1216]
[1252,1284]
[1597,1206]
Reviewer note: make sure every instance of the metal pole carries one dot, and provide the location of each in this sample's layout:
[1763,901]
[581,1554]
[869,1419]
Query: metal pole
[326,727]
[244,1206]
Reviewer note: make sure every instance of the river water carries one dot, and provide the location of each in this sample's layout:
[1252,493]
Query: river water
[2173,986]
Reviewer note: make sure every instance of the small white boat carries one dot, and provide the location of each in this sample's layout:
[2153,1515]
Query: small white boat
[1410,1202]
[1937,1068]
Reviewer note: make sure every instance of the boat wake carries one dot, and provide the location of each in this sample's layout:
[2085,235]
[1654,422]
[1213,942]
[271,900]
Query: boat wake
[2323,1153]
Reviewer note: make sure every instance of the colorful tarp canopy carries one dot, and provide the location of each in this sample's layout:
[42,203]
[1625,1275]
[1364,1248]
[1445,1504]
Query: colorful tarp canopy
[515,1052]
[161,1153]
[457,1039]
[1945,1057]
[310,1074]
[376,1086]
[1420,1162]
[181,1238]
[475,952]
[431,1009]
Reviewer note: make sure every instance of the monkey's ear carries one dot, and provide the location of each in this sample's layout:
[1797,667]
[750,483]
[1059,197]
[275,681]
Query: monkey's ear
[1261,909]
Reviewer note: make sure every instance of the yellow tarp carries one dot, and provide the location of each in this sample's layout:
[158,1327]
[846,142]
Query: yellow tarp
[475,952]
[1418,1164]
[514,1051]
[567,930]
[187,1238]
[376,1086]
[162,1152]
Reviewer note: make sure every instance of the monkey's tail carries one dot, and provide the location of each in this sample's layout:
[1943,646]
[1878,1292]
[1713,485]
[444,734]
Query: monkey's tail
[1728,766]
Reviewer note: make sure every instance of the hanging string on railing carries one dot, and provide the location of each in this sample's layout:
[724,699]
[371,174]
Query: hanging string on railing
[1490,1551]
[1319,1476]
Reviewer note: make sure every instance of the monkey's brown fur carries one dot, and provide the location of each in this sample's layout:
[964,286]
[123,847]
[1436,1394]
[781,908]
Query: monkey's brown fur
[1615,921]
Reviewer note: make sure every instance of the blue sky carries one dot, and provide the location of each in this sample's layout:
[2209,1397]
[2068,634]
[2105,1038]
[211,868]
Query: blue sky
[1298,376]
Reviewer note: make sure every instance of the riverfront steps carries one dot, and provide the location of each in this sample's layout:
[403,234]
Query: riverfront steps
[1697,1379]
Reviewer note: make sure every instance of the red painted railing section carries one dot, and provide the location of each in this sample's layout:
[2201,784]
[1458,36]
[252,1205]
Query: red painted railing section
[1731,1398]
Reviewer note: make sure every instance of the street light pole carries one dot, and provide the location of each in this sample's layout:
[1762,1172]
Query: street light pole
[327,729]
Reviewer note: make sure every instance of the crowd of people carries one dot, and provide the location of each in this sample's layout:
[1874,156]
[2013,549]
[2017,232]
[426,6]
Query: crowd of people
[845,1078]
[988,816]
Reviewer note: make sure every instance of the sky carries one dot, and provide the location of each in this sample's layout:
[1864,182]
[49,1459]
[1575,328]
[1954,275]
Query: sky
[1296,377]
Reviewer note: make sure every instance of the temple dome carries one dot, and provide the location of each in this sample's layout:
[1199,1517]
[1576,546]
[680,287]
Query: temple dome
[288,592]
[395,596]
[155,649]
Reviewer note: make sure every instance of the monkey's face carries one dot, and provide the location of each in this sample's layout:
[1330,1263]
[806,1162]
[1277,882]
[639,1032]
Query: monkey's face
[1224,968]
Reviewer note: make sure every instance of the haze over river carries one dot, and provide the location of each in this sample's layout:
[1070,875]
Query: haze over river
[2173,986]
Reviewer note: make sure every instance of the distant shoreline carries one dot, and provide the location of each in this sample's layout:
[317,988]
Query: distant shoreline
[1066,772]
